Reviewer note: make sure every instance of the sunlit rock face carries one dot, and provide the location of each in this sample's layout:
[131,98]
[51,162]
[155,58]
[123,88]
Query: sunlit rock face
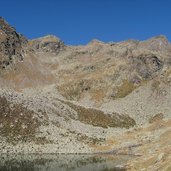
[48,43]
[11,44]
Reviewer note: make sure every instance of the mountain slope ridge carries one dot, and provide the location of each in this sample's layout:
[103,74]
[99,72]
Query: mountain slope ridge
[74,99]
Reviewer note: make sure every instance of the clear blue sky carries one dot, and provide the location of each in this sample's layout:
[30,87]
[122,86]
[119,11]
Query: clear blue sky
[79,21]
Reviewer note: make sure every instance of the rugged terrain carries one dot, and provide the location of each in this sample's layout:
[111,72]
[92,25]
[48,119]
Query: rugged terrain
[100,97]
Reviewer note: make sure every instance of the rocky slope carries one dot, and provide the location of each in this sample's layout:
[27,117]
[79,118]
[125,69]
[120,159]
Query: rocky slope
[56,98]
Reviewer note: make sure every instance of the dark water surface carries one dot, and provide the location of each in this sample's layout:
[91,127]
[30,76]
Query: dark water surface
[51,162]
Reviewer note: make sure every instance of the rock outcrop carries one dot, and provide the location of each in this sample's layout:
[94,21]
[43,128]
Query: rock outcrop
[11,44]
[48,43]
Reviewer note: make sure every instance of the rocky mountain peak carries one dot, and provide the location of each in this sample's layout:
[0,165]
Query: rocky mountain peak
[157,43]
[95,42]
[160,40]
[49,43]
[5,26]
[11,44]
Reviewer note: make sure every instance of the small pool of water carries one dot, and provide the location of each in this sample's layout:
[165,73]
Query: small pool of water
[51,162]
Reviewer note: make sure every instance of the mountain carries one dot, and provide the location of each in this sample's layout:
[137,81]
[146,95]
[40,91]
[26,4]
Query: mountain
[101,97]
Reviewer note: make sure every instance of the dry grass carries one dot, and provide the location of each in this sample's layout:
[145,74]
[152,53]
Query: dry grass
[156,118]
[17,122]
[155,85]
[98,95]
[167,75]
[125,89]
[73,90]
[98,118]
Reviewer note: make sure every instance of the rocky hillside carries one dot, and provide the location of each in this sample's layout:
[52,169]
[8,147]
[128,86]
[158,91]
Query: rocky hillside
[60,98]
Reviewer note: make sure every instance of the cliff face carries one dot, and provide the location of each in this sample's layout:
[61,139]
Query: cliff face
[59,98]
[11,44]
